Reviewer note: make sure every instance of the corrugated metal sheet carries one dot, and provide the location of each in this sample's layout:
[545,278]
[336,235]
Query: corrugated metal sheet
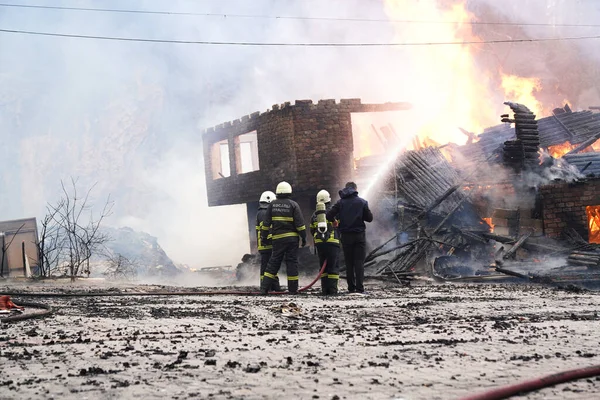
[583,159]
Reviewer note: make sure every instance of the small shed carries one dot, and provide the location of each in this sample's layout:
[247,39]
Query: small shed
[19,255]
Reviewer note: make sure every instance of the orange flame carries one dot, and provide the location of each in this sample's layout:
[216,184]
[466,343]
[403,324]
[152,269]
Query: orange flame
[593,214]
[489,222]
[445,83]
[559,150]
[522,90]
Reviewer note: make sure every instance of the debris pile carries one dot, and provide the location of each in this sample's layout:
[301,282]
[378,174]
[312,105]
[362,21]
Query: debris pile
[451,225]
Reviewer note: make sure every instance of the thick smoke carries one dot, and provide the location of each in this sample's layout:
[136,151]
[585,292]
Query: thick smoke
[128,115]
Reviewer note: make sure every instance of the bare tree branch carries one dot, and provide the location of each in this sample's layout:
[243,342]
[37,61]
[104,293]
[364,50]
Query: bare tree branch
[69,237]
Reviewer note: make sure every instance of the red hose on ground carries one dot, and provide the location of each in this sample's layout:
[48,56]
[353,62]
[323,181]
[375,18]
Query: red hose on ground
[536,384]
[194,293]
[310,284]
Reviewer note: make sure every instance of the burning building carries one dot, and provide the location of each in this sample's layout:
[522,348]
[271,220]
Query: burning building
[511,191]
[311,146]
[512,186]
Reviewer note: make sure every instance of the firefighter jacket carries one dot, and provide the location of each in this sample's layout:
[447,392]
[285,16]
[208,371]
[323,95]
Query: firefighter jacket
[263,245]
[284,218]
[332,235]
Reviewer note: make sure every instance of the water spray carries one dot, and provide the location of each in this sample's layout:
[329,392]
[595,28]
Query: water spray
[390,160]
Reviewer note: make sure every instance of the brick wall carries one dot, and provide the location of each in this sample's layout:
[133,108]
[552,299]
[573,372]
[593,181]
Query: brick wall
[275,152]
[564,206]
[309,145]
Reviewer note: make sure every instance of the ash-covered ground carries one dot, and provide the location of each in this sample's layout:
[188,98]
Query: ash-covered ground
[422,342]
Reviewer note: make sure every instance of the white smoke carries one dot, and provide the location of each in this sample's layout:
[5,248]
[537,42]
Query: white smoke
[128,115]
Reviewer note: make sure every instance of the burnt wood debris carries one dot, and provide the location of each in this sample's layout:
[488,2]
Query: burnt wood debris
[492,210]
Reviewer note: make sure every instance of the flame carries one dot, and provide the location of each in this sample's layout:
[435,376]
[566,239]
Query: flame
[593,214]
[443,83]
[559,150]
[489,222]
[447,88]
[522,90]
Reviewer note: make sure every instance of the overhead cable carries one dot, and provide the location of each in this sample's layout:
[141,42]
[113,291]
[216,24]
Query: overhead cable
[291,17]
[295,44]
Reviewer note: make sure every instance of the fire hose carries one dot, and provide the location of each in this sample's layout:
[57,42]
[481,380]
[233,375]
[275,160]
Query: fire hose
[536,384]
[49,311]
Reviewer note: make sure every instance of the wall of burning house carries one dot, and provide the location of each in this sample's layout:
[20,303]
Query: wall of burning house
[570,205]
[309,145]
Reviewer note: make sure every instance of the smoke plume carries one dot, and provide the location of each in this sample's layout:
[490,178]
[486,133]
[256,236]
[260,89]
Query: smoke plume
[127,116]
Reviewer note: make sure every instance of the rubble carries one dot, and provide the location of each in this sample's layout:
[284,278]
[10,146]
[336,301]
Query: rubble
[452,221]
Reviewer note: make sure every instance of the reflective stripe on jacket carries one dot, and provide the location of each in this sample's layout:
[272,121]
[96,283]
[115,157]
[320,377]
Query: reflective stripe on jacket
[260,226]
[284,218]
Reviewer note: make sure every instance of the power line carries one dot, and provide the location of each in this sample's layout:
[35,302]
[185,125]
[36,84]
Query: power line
[290,17]
[282,44]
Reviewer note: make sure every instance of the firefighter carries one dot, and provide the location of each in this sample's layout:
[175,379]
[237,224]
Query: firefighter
[327,242]
[286,224]
[352,212]
[265,248]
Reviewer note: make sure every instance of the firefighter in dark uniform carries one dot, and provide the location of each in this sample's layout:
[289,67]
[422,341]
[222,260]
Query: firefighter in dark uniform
[352,212]
[285,219]
[328,247]
[265,248]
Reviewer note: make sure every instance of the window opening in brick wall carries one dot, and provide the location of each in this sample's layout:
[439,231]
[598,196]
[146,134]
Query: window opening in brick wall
[246,153]
[593,215]
[220,160]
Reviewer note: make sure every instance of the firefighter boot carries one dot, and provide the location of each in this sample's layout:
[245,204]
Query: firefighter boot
[324,285]
[266,284]
[293,286]
[332,286]
[276,285]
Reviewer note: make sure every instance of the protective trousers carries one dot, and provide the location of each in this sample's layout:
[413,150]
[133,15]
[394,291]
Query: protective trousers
[331,275]
[287,249]
[265,256]
[354,246]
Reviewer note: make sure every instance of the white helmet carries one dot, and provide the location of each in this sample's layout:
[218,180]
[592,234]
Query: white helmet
[267,197]
[283,188]
[323,196]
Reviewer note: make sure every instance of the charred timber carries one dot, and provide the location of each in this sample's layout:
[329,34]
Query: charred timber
[585,258]
[438,201]
[513,250]
[586,253]
[582,263]
[499,238]
[424,166]
[528,124]
[529,137]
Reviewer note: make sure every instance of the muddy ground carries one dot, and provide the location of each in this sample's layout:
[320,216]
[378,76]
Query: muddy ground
[423,342]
